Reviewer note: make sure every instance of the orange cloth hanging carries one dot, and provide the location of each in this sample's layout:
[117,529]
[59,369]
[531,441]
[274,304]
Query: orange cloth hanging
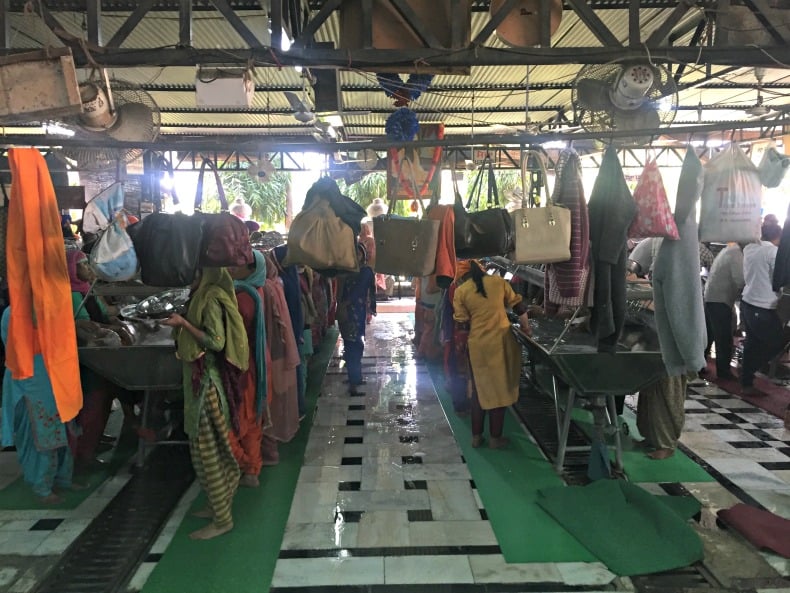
[445,250]
[38,283]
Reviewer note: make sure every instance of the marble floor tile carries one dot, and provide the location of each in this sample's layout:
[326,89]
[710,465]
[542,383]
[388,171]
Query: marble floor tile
[378,500]
[708,444]
[735,434]
[320,536]
[322,454]
[383,529]
[19,525]
[436,471]
[747,474]
[382,476]
[492,568]
[141,576]
[764,454]
[23,543]
[452,500]
[783,474]
[7,576]
[757,417]
[712,495]
[585,573]
[777,501]
[779,564]
[780,434]
[309,572]
[451,533]
[330,473]
[407,570]
[313,505]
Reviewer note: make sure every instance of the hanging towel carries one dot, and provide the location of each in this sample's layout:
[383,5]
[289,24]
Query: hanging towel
[38,283]
[445,250]
[677,288]
[566,282]
[611,211]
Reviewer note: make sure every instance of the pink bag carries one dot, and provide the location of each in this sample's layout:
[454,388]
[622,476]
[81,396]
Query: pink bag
[653,216]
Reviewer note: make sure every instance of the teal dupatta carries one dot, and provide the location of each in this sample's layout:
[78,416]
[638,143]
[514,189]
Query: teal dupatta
[250,285]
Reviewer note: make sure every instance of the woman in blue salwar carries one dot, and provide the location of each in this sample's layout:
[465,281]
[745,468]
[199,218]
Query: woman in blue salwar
[356,300]
[32,424]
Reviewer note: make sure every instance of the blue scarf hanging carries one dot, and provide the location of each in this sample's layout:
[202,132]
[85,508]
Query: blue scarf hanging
[250,285]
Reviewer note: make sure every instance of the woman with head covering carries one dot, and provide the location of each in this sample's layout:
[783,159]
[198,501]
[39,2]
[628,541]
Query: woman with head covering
[356,298]
[97,401]
[212,344]
[82,276]
[246,441]
[479,305]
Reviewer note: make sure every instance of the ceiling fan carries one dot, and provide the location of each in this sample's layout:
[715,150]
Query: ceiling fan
[759,110]
[624,96]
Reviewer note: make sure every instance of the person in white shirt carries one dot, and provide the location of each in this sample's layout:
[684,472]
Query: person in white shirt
[723,288]
[764,338]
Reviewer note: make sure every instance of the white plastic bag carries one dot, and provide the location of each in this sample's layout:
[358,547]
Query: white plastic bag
[113,258]
[101,210]
[772,167]
[731,198]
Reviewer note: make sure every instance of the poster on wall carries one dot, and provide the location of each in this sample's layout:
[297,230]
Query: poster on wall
[415,171]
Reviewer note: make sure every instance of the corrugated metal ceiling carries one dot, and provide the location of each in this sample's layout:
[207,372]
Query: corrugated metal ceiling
[487,96]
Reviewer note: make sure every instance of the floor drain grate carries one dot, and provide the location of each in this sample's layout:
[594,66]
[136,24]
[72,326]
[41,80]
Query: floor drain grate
[103,557]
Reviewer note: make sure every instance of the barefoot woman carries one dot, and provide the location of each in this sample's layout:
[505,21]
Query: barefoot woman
[212,344]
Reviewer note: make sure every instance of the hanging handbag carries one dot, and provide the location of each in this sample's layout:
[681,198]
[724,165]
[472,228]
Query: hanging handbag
[654,216]
[319,238]
[405,246]
[731,198]
[168,248]
[226,240]
[484,233]
[542,235]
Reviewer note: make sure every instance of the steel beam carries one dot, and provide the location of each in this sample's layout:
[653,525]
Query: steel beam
[666,27]
[494,22]
[407,14]
[185,23]
[367,23]
[264,144]
[235,21]
[306,38]
[276,18]
[93,17]
[130,23]
[545,23]
[634,35]
[594,24]
[759,8]
[372,59]
[5,24]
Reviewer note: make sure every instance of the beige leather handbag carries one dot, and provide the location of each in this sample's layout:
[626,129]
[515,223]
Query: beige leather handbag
[542,234]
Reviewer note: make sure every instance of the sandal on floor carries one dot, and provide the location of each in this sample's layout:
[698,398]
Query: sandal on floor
[477,440]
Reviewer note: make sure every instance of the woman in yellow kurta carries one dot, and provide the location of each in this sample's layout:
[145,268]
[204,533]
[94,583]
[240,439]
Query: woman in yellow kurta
[479,304]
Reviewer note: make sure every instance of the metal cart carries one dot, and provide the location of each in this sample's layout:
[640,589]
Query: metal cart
[572,358]
[146,368]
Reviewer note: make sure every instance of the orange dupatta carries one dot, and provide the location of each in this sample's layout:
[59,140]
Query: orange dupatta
[38,283]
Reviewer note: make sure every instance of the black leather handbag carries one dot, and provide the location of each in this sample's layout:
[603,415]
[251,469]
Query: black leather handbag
[483,233]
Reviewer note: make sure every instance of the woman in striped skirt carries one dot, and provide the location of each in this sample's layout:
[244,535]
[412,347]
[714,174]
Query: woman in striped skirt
[212,344]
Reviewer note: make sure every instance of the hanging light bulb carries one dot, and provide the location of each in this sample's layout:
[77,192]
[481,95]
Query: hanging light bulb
[414,207]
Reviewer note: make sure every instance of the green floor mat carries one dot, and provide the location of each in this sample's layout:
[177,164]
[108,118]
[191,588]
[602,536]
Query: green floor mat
[243,561]
[628,529]
[638,466]
[18,496]
[508,482]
